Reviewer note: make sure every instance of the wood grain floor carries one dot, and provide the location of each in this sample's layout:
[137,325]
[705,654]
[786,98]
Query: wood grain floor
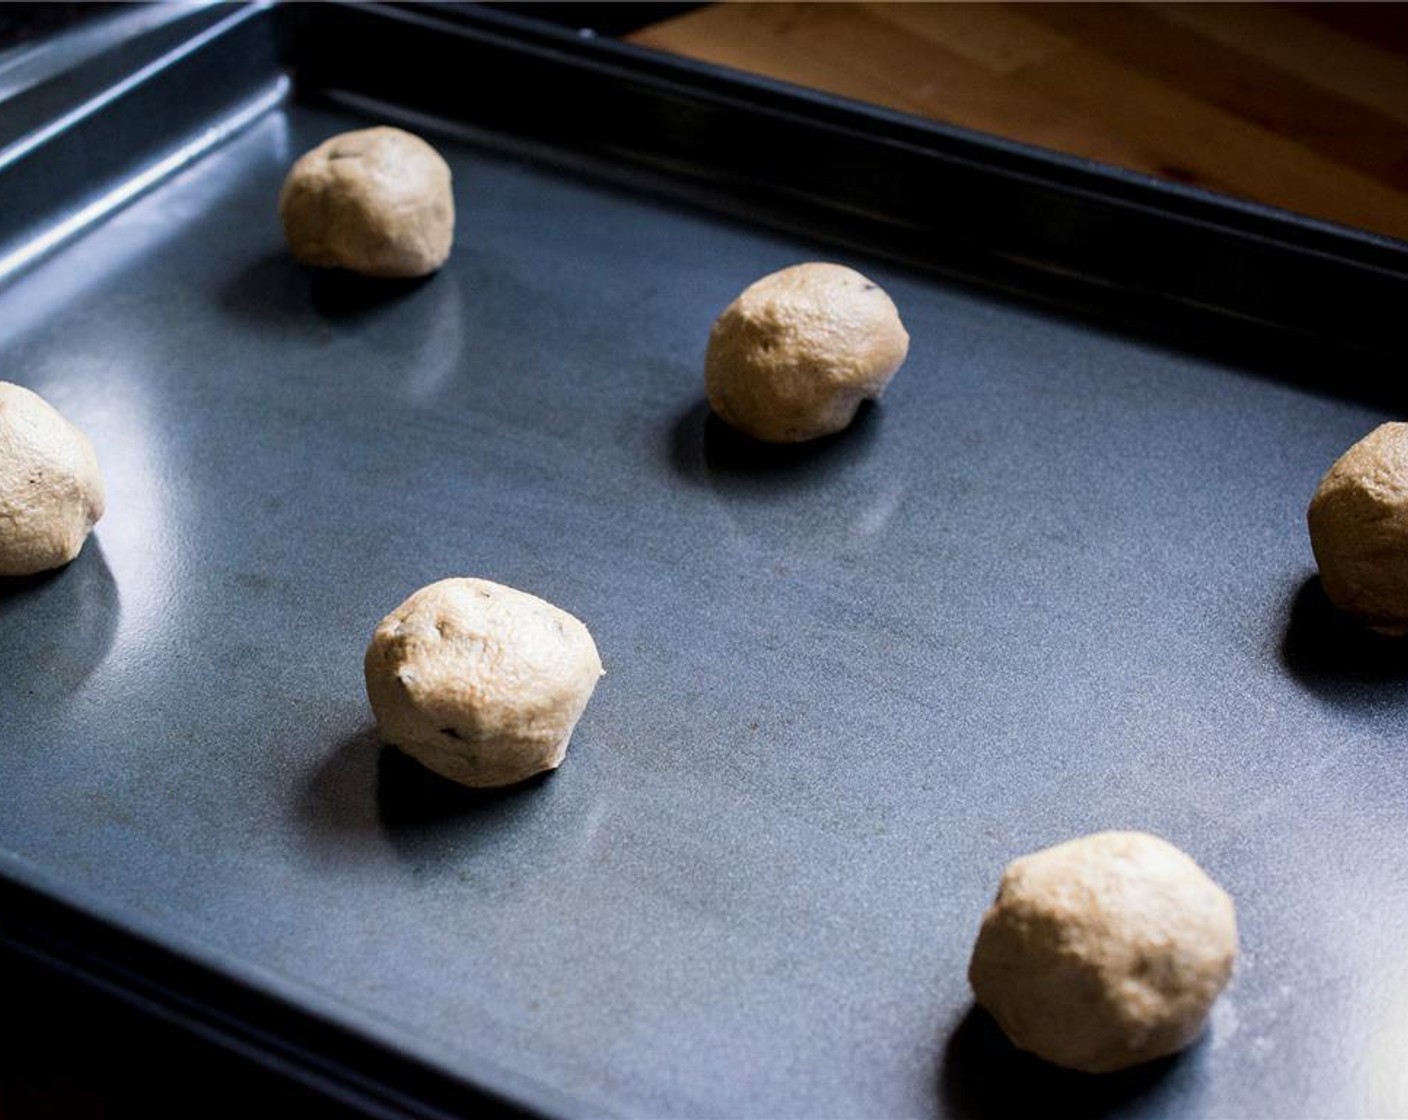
[1303,106]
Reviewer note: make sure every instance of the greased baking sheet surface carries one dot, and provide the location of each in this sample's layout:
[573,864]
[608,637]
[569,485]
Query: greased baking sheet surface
[1058,581]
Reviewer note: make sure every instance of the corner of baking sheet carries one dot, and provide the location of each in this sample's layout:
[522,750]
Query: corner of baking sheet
[133,131]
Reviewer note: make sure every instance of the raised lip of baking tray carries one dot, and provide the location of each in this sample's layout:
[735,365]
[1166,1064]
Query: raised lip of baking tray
[1096,238]
[1112,244]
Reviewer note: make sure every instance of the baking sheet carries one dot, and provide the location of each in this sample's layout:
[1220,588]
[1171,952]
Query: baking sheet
[1058,581]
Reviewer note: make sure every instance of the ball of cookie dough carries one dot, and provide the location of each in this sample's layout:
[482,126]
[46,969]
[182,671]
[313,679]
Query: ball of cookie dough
[792,358]
[1358,522]
[480,683]
[376,201]
[1104,952]
[51,492]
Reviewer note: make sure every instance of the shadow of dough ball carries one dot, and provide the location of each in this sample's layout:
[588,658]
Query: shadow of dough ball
[480,683]
[51,492]
[1104,952]
[1358,521]
[793,357]
[376,202]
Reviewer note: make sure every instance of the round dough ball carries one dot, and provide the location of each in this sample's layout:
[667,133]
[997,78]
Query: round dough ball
[1358,523]
[376,201]
[51,492]
[1104,952]
[793,356]
[480,683]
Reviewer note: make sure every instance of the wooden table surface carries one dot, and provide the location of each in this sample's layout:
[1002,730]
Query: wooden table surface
[1303,106]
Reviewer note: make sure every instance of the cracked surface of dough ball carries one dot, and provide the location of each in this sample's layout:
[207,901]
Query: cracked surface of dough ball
[376,201]
[1105,951]
[51,492]
[1358,521]
[793,357]
[480,683]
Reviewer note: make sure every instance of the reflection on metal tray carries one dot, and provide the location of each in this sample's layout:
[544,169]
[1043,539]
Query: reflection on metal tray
[1058,581]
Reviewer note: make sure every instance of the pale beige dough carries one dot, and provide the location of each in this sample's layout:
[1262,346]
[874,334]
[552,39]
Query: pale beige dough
[376,201]
[481,683]
[793,357]
[1104,952]
[1358,522]
[51,492]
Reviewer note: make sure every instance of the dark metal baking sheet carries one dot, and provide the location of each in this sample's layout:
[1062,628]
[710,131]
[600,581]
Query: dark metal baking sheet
[1056,582]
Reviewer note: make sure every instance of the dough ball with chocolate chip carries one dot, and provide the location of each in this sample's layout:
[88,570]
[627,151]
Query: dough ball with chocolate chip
[478,682]
[51,492]
[1104,952]
[1358,522]
[376,201]
[793,357]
